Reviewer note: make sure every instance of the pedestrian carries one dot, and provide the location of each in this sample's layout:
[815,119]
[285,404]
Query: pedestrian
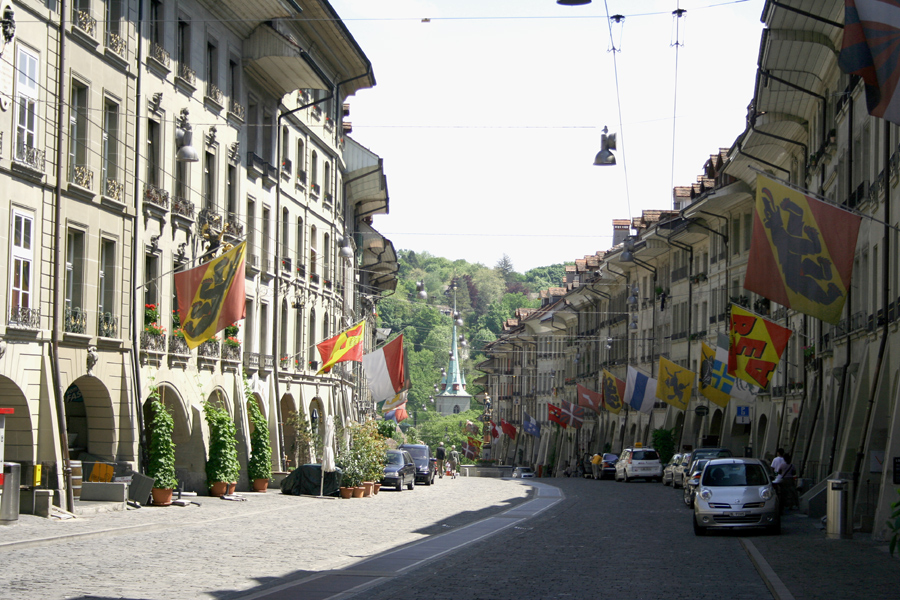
[595,465]
[440,454]
[789,496]
[454,460]
[778,462]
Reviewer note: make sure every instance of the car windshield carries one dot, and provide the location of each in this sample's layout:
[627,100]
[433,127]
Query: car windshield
[698,466]
[417,452]
[645,455]
[524,470]
[712,453]
[610,457]
[394,458]
[735,475]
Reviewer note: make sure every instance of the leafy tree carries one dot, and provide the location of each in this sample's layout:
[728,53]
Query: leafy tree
[490,288]
[542,278]
[504,267]
[664,444]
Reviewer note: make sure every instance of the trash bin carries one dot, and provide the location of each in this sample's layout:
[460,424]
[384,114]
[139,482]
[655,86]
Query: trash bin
[9,504]
[839,521]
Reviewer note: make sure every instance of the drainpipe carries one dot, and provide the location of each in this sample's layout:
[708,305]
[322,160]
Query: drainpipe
[57,237]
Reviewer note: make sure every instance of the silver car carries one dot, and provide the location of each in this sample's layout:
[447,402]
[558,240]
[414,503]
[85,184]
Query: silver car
[735,493]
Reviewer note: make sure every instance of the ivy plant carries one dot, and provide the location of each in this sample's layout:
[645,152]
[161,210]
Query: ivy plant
[222,464]
[162,449]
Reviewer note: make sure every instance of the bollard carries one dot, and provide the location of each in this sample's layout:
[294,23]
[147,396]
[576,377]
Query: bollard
[839,522]
[9,504]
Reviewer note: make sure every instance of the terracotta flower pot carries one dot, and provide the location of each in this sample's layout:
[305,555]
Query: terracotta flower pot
[377,487]
[231,487]
[368,486]
[346,492]
[358,492]
[218,489]
[260,485]
[161,496]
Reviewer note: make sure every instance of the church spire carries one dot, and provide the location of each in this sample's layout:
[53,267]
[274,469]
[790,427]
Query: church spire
[452,396]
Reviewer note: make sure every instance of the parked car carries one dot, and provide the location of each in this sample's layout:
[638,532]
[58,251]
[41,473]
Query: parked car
[679,473]
[736,493]
[608,465]
[638,463]
[669,470]
[399,470]
[426,464]
[691,480]
[523,472]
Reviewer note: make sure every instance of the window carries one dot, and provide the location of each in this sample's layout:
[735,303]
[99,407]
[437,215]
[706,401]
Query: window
[252,126]
[231,192]
[326,256]
[157,22]
[735,235]
[79,173]
[209,181]
[183,43]
[299,241]
[106,312]
[313,169]
[22,256]
[234,81]
[151,286]
[114,39]
[312,250]
[154,153]
[110,175]
[266,248]
[251,230]
[311,335]
[301,161]
[298,334]
[182,179]
[249,325]
[263,328]
[74,317]
[283,349]
[326,179]
[285,151]
[26,106]
[212,71]
[285,234]
[268,129]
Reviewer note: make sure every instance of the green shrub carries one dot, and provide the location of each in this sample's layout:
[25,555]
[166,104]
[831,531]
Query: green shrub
[162,449]
[364,460]
[222,464]
[664,444]
[260,464]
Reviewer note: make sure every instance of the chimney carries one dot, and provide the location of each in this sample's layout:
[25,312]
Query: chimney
[621,230]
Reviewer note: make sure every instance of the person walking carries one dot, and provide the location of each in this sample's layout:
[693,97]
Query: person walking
[595,465]
[454,460]
[789,496]
[440,454]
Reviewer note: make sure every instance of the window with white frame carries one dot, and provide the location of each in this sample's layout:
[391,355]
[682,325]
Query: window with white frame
[106,313]
[209,180]
[26,104]
[110,175]
[21,259]
[154,153]
[79,172]
[115,41]
[313,250]
[75,320]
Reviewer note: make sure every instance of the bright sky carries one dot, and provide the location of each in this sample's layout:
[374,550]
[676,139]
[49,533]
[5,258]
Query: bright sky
[488,117]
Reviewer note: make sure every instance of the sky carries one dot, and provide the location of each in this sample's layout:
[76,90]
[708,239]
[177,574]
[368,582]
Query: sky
[489,114]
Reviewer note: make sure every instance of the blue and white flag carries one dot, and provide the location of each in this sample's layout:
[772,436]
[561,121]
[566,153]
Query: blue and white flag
[640,391]
[530,425]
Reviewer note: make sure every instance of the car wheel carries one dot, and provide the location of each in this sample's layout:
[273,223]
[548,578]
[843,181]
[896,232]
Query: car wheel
[411,484]
[675,484]
[400,485]
[665,482]
[698,531]
[774,528]
[627,478]
[687,497]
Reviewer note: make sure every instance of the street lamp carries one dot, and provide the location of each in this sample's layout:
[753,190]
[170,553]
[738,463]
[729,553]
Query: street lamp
[607,143]
[183,138]
[573,2]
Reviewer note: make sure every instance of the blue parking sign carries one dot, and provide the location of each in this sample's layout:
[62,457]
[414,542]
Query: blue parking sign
[743,415]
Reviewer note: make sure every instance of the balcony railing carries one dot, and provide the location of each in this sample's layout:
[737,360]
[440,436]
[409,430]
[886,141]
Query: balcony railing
[301,176]
[315,188]
[75,320]
[183,208]
[187,73]
[153,342]
[116,43]
[314,277]
[233,227]
[284,363]
[268,362]
[237,109]
[24,318]
[114,190]
[286,265]
[251,360]
[107,326]
[329,199]
[231,353]
[30,156]
[209,349]
[156,195]
[82,176]
[84,21]
[286,166]
[209,218]
[301,271]
[214,93]
[160,54]
[178,345]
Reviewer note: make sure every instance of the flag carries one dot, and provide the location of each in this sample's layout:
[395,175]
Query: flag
[470,451]
[613,392]
[474,442]
[801,251]
[211,296]
[869,49]
[715,382]
[572,414]
[554,413]
[756,346]
[494,432]
[347,345]
[675,384]
[589,398]
[508,428]
[386,405]
[740,390]
[398,414]
[640,391]
[471,428]
[386,373]
[530,425]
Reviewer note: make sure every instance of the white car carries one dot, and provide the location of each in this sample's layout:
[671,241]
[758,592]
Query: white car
[735,493]
[638,463]
[523,472]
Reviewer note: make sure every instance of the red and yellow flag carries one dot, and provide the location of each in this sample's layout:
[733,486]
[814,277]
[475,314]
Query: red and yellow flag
[801,251]
[613,392]
[211,296]
[756,346]
[347,345]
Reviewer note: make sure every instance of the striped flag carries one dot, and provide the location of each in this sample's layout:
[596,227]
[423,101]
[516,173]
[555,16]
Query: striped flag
[386,374]
[347,345]
[572,413]
[211,296]
[640,391]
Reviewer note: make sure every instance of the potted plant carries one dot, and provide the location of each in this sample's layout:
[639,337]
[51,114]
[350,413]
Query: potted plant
[222,466]
[161,453]
[259,467]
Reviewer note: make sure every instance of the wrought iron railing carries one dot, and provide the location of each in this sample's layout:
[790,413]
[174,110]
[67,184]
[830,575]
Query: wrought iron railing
[187,73]
[84,21]
[153,342]
[156,195]
[114,190]
[107,325]
[183,208]
[237,109]
[268,362]
[160,54]
[81,176]
[232,227]
[286,265]
[214,93]
[30,156]
[210,218]
[178,345]
[25,318]
[74,320]
[116,43]
[251,360]
[231,353]
[209,349]
[286,166]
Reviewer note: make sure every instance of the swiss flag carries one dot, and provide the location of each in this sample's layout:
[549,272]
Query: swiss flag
[494,432]
[588,398]
[508,429]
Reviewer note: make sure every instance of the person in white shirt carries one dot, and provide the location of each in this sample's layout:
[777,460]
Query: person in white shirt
[778,463]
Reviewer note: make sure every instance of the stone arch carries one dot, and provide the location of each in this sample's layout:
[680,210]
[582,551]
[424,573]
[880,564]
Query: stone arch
[290,415]
[90,421]
[20,437]
[740,437]
[187,453]
[759,443]
[715,426]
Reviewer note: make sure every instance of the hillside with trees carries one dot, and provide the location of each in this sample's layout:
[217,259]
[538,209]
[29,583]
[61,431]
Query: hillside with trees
[485,298]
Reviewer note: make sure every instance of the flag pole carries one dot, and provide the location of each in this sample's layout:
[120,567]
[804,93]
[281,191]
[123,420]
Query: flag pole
[182,267]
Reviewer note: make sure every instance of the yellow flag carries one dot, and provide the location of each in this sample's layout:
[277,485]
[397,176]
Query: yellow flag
[675,384]
[715,382]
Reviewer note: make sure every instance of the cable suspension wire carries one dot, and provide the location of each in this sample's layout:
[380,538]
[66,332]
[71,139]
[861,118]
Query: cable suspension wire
[677,14]
[614,50]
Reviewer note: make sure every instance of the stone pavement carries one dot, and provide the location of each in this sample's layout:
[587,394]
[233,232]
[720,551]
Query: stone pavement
[464,538]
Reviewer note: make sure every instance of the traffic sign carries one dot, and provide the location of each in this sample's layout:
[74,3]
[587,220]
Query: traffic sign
[743,415]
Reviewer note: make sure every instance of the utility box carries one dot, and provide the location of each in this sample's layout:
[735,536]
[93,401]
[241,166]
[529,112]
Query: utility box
[9,503]
[839,516]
